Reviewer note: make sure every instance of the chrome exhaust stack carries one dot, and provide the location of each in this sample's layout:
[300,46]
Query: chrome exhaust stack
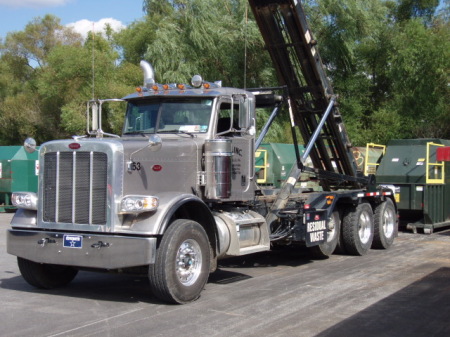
[149,73]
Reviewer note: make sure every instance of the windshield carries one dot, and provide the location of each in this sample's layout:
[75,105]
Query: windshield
[168,115]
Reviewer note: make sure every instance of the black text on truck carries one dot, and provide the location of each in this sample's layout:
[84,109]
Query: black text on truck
[177,190]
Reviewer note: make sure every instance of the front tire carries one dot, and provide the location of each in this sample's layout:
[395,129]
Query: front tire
[385,225]
[182,264]
[357,229]
[326,249]
[45,276]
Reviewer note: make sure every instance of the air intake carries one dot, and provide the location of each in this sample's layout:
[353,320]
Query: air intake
[75,187]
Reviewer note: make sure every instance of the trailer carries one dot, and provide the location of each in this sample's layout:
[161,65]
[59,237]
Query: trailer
[418,170]
[177,190]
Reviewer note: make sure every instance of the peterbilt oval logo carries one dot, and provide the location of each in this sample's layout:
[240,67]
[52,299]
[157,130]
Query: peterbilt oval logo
[74,146]
[156,168]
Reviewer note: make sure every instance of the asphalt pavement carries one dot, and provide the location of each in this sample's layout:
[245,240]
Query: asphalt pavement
[404,291]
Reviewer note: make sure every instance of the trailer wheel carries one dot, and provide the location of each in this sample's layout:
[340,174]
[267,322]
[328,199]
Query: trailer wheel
[385,225]
[357,229]
[45,276]
[182,263]
[327,249]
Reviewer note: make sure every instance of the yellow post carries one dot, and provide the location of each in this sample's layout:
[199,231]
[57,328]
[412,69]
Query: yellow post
[434,167]
[369,167]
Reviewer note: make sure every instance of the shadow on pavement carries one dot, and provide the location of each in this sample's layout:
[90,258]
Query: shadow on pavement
[420,309]
[129,289]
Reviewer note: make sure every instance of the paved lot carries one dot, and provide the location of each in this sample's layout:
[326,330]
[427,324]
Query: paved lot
[401,292]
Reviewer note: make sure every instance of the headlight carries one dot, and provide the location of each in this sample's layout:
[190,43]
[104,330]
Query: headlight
[26,200]
[138,204]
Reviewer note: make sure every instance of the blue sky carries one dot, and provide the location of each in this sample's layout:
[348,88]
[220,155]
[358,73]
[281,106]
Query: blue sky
[16,14]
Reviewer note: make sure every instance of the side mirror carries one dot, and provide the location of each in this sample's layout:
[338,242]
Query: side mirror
[244,109]
[30,145]
[154,142]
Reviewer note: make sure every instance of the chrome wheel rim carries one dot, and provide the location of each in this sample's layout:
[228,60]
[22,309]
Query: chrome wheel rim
[331,230]
[364,227]
[188,262]
[388,222]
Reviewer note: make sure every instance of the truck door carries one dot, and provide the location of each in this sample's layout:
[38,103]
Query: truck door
[233,122]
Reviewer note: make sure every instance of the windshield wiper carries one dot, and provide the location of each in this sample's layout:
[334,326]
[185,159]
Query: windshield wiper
[177,132]
[143,134]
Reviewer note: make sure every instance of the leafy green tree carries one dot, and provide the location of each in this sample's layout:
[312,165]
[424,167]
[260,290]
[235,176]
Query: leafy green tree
[69,71]
[388,61]
[37,40]
[410,9]
[420,62]
[133,41]
[44,88]
[387,65]
[210,37]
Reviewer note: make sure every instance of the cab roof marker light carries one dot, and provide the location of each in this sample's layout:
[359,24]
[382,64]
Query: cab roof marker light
[181,86]
[157,87]
[212,85]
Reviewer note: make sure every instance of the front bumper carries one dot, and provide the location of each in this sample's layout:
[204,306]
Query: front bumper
[95,251]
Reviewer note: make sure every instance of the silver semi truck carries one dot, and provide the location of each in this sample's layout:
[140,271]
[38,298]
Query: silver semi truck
[176,191]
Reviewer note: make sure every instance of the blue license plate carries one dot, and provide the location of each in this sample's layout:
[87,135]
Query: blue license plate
[73,241]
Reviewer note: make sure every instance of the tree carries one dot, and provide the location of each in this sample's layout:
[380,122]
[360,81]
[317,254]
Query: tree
[210,37]
[388,62]
[38,39]
[419,68]
[410,9]
[44,87]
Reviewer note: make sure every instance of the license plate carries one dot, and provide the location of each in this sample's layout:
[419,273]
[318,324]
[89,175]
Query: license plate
[73,241]
[316,228]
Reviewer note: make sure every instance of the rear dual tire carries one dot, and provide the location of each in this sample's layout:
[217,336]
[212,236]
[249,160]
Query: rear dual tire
[358,229]
[385,225]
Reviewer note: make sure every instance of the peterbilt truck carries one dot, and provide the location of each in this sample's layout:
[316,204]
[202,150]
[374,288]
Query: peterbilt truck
[177,191]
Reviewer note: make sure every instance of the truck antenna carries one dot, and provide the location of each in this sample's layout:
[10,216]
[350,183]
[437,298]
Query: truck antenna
[93,61]
[245,45]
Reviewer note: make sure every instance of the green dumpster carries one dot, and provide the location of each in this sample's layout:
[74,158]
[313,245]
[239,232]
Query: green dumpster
[18,172]
[273,161]
[420,180]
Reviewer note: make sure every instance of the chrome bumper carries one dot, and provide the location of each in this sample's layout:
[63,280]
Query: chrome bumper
[95,251]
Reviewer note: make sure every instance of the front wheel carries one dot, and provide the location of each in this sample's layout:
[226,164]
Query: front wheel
[182,264]
[45,276]
[357,229]
[385,225]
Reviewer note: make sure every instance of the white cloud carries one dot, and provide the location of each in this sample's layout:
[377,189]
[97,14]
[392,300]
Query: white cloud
[33,3]
[84,26]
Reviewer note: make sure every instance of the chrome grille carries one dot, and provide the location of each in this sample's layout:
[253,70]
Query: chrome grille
[75,187]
